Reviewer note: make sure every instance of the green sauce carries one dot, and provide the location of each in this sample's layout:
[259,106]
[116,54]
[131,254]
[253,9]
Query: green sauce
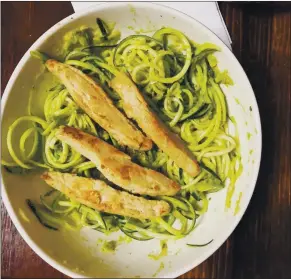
[124,239]
[249,135]
[232,119]
[178,252]
[237,204]
[163,253]
[230,192]
[84,42]
[109,246]
[237,101]
[223,77]
[143,31]
[132,10]
[212,60]
[161,267]
[85,36]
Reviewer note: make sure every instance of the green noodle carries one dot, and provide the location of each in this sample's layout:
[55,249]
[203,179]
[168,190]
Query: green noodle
[179,79]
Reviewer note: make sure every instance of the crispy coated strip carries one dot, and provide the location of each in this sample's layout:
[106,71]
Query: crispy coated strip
[137,108]
[95,102]
[116,166]
[97,194]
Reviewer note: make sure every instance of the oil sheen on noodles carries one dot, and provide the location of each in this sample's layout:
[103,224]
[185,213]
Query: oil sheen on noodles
[181,82]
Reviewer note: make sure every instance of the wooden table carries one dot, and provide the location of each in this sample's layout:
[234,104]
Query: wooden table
[260,247]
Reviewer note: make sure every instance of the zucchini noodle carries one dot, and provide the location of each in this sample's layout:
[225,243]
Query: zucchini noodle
[179,79]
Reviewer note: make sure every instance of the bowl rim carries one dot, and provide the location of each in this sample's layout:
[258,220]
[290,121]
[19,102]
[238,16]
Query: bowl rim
[75,16]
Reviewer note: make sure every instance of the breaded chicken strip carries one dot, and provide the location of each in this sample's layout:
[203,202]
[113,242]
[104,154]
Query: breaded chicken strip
[137,108]
[95,102]
[97,194]
[117,166]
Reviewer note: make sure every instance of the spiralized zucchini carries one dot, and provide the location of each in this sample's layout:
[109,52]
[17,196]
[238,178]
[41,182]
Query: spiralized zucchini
[181,81]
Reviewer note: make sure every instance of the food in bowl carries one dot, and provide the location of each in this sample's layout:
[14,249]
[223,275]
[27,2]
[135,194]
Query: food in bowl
[133,137]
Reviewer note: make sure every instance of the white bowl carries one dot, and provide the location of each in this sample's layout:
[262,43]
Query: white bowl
[80,256]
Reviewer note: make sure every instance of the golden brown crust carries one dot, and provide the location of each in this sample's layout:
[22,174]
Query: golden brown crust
[137,108]
[97,194]
[95,102]
[117,166]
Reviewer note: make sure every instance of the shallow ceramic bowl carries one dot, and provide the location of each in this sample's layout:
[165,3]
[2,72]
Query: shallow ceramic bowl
[78,254]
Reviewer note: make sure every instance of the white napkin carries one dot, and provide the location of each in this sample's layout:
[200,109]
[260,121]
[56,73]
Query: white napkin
[207,13]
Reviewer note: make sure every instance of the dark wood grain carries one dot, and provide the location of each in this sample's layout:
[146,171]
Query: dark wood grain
[260,247]
[262,42]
